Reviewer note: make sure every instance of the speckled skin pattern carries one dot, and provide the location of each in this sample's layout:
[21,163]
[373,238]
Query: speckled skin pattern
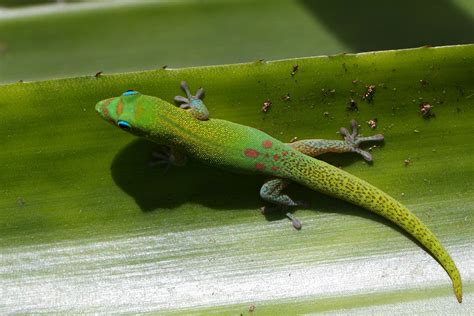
[240,148]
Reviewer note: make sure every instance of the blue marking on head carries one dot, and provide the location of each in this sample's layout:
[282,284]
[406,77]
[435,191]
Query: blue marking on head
[129,92]
[124,125]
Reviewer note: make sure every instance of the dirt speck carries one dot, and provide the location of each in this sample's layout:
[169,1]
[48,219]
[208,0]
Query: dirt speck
[372,147]
[369,92]
[266,106]
[372,123]
[20,201]
[352,105]
[286,97]
[426,110]
[295,69]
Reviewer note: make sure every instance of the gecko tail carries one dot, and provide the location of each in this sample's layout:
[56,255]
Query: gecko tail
[335,182]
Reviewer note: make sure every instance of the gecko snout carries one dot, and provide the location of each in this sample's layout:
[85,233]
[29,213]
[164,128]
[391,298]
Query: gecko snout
[102,108]
[98,107]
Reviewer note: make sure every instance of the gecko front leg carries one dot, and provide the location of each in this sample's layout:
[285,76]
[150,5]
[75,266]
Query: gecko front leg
[167,156]
[193,103]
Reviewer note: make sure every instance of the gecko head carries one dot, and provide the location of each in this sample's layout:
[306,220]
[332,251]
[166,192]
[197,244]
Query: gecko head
[132,112]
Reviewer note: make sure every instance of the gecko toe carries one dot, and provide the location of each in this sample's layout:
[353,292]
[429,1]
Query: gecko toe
[181,99]
[294,221]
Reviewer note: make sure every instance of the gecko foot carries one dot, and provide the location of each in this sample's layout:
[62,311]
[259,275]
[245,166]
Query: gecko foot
[193,102]
[296,222]
[354,140]
[283,208]
[161,156]
[164,155]
[187,101]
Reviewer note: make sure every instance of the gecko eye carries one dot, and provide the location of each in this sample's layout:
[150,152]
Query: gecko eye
[124,125]
[129,92]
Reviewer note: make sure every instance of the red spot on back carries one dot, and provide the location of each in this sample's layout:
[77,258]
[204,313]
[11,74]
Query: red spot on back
[259,166]
[267,144]
[276,157]
[284,153]
[252,153]
[275,168]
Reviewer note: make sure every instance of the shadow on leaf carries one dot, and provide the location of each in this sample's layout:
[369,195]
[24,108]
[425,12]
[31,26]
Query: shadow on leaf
[379,25]
[153,189]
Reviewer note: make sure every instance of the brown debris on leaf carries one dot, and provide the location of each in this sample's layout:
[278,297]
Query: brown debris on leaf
[372,123]
[369,92]
[425,110]
[295,69]
[352,105]
[286,97]
[266,106]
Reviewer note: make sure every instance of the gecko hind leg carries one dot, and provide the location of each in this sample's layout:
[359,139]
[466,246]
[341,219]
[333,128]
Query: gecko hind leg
[193,103]
[271,192]
[351,143]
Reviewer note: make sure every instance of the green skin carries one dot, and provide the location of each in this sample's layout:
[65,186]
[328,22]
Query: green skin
[188,130]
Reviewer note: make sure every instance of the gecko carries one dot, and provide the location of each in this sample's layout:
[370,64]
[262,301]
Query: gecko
[187,130]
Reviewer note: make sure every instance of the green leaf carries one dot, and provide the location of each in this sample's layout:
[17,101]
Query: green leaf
[88,226]
[85,38]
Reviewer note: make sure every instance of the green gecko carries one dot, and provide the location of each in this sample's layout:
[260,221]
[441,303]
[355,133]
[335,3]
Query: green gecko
[188,130]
